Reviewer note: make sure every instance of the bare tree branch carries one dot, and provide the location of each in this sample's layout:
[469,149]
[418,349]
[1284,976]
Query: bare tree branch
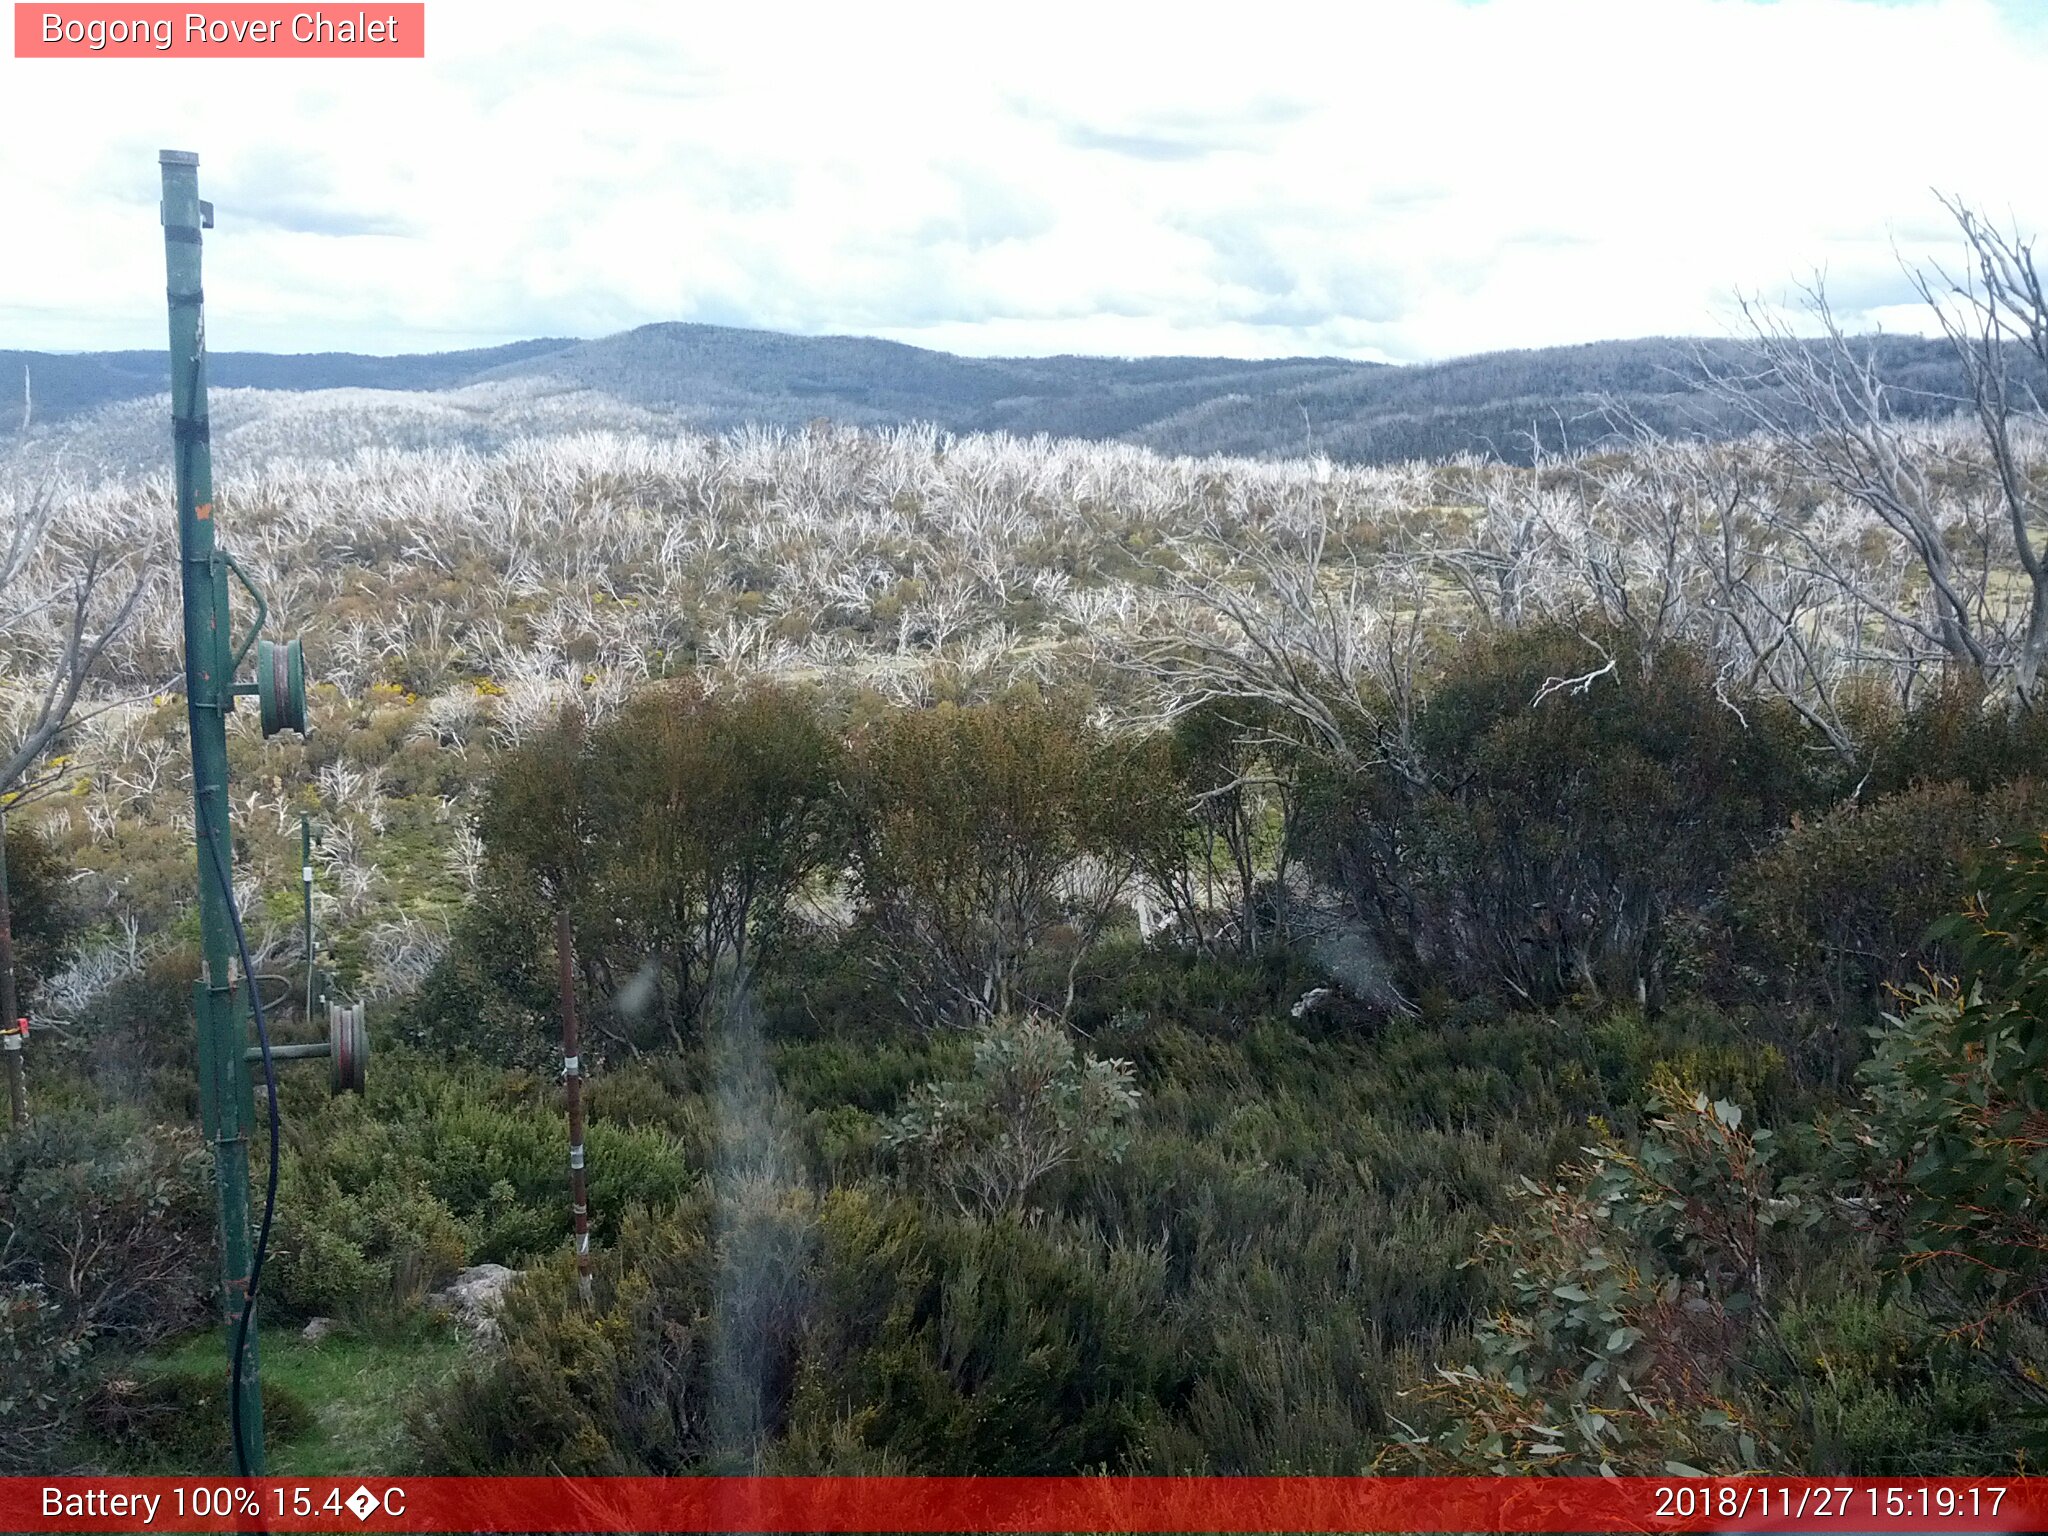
[80,637]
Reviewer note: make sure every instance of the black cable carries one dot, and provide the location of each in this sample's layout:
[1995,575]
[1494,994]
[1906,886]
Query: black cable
[227,891]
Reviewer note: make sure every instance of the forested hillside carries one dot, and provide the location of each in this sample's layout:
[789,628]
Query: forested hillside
[709,378]
[55,386]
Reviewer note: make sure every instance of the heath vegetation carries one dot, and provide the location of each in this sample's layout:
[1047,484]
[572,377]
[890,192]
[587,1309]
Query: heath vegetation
[1090,960]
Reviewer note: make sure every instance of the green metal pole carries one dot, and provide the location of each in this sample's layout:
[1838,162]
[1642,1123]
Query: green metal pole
[306,884]
[227,1103]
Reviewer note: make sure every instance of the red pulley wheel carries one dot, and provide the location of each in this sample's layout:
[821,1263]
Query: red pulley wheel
[348,1048]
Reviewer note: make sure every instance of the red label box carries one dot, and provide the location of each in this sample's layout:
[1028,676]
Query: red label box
[1023,1504]
[226,31]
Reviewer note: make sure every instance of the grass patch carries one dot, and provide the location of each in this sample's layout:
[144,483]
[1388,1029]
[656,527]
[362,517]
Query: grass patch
[355,1391]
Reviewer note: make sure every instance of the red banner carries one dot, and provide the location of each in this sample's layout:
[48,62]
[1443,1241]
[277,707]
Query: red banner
[1036,1504]
[225,31]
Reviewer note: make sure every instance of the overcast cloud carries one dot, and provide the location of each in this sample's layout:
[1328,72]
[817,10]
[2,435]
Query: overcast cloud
[1400,180]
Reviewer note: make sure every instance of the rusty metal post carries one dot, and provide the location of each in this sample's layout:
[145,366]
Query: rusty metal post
[12,1038]
[572,1084]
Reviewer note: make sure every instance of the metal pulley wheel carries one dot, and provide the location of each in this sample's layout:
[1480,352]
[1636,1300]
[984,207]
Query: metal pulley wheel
[348,1048]
[281,686]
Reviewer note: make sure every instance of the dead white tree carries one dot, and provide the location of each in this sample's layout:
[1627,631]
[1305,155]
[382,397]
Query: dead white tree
[1500,567]
[1839,422]
[62,610]
[1835,418]
[1692,545]
[1996,316]
[1329,647]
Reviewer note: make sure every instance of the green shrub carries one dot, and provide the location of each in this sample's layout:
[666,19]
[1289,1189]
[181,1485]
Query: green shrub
[135,1044]
[1634,1286]
[493,995]
[556,1398]
[1950,1138]
[1285,1230]
[991,847]
[677,834]
[1543,836]
[992,1348]
[447,1164]
[112,1218]
[179,1419]
[43,1354]
[1881,1393]
[1030,1105]
[543,1406]
[886,1338]
[1838,909]
[822,979]
[1216,994]
[44,912]
[1215,825]
[106,1234]
[1953,734]
[361,1253]
[861,1073]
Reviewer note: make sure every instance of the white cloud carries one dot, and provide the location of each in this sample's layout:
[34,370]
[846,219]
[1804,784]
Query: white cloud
[1398,181]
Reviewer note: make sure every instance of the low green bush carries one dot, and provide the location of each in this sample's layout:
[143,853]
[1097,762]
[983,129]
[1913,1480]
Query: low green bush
[1635,1286]
[1030,1105]
[446,1164]
[1838,909]
[359,1253]
[44,1352]
[1880,1393]
[112,1218]
[44,911]
[178,1419]
[864,1331]
[1289,1222]
[1559,804]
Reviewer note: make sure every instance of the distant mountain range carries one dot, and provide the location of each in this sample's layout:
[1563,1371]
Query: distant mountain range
[716,377]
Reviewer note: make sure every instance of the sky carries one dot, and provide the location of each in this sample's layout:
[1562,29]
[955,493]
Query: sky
[1398,180]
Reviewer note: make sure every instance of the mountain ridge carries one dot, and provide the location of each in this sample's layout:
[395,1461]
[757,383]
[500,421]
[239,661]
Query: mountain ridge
[1506,403]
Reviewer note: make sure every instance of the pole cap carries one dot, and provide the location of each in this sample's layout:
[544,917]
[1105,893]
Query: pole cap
[176,157]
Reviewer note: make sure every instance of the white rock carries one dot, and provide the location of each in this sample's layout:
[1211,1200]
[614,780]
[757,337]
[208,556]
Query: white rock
[1311,1001]
[473,1297]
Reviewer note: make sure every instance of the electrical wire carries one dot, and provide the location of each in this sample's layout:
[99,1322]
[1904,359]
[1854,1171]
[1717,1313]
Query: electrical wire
[227,892]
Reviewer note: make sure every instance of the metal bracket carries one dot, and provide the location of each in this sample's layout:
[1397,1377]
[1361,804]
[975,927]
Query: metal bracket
[262,613]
